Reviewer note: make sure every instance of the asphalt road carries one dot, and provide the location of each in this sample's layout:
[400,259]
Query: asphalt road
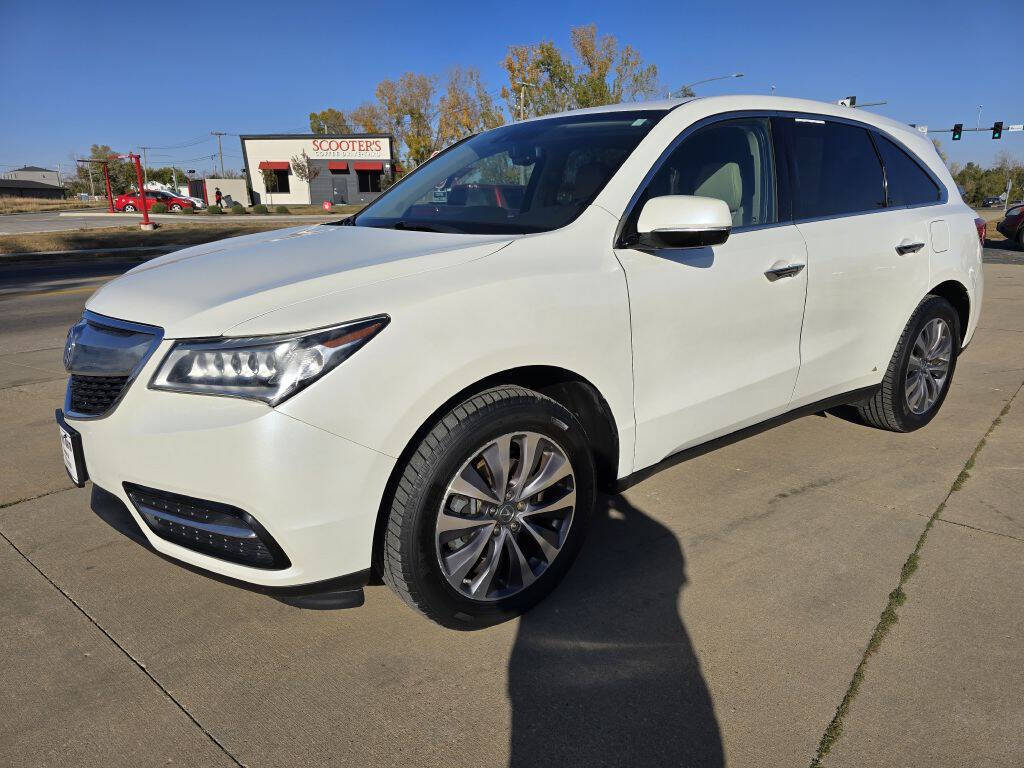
[717,615]
[52,221]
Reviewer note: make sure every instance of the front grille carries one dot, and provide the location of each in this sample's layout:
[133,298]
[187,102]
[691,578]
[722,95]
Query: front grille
[103,356]
[93,395]
[210,527]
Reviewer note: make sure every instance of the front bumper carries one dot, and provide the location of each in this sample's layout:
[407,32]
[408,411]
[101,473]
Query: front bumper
[316,494]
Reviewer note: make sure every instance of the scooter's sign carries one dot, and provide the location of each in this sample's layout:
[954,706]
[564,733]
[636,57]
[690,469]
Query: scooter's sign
[347,149]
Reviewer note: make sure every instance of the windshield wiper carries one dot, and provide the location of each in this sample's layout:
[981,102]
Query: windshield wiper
[417,227]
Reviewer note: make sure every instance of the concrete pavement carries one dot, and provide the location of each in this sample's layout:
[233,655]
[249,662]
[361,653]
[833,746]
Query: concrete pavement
[716,616]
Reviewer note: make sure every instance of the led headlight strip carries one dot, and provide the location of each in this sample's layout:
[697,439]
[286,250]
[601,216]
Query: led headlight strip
[267,368]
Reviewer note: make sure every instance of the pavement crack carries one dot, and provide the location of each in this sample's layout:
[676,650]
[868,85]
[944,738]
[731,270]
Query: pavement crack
[139,665]
[980,530]
[898,597]
[7,504]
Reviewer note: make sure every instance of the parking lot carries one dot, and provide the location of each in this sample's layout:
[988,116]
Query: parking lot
[735,609]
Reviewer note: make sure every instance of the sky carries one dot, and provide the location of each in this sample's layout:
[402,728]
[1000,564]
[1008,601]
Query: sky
[164,75]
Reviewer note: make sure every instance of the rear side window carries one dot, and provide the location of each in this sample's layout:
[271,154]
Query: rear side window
[906,181]
[837,170]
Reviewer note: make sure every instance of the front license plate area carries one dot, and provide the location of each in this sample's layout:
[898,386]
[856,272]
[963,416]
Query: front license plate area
[71,451]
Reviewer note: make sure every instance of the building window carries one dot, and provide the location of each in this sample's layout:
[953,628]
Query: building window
[281,182]
[369,181]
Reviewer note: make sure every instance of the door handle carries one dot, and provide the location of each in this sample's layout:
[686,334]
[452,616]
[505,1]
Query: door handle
[787,270]
[904,248]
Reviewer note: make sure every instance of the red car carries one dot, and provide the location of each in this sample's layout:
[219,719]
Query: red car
[132,202]
[1012,225]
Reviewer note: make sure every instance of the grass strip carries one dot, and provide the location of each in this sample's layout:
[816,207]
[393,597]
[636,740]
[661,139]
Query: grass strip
[897,598]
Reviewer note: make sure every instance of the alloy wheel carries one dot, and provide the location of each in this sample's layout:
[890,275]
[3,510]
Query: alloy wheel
[505,516]
[929,364]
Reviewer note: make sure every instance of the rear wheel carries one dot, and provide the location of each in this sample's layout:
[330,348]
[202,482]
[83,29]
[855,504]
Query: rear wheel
[920,372]
[490,509]
[175,207]
[129,208]
[1020,238]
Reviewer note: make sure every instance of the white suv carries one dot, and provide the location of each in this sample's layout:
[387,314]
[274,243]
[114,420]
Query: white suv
[435,390]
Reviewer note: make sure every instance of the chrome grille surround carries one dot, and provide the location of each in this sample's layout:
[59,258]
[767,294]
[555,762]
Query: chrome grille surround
[103,356]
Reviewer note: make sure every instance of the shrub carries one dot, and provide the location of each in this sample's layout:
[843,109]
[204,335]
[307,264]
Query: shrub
[188,209]
[281,209]
[260,208]
[158,208]
[215,210]
[237,209]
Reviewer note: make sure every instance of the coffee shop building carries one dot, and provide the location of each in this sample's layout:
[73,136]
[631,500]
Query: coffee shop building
[352,168]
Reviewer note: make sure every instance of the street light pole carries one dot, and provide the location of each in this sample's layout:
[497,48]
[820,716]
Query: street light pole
[978,126]
[709,80]
[523,85]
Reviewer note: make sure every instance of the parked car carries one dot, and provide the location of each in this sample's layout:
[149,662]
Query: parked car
[434,392]
[1012,225]
[992,202]
[132,202]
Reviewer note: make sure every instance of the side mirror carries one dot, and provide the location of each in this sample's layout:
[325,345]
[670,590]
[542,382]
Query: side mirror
[683,221]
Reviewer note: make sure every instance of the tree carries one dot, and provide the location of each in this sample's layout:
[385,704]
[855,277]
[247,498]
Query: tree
[942,155]
[543,80]
[122,173]
[410,110]
[304,167]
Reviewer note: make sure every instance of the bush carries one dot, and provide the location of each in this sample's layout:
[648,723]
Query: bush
[260,208]
[158,208]
[215,210]
[237,209]
[281,209]
[188,209]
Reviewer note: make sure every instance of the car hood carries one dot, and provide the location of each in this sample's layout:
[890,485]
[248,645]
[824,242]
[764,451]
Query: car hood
[208,289]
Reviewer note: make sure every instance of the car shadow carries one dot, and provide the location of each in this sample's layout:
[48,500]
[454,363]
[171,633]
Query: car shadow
[603,671]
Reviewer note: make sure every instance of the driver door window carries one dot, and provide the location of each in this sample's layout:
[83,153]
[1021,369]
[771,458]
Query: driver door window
[732,161]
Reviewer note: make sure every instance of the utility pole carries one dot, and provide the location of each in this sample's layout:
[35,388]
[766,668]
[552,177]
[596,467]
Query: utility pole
[978,126]
[220,150]
[145,165]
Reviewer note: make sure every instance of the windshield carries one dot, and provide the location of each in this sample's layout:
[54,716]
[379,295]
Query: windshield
[525,177]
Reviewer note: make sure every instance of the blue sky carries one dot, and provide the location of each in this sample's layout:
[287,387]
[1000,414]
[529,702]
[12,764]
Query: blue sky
[77,73]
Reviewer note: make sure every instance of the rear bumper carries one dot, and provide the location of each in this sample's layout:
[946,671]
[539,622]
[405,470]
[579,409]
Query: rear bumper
[316,494]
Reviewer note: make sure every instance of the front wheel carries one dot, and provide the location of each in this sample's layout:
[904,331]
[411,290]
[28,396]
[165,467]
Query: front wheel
[920,372]
[175,207]
[129,208]
[490,509]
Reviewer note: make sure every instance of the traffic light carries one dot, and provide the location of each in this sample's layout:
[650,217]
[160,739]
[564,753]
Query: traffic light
[958,131]
[997,130]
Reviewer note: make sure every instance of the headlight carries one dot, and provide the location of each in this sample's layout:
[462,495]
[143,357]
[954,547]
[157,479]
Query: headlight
[267,368]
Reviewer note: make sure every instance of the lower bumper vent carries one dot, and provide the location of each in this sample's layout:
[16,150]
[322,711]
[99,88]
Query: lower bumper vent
[209,527]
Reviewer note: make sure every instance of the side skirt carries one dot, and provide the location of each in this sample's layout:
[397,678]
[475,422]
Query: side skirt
[847,398]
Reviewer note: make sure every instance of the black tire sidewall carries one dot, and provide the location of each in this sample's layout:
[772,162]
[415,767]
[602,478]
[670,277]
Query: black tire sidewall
[544,417]
[933,307]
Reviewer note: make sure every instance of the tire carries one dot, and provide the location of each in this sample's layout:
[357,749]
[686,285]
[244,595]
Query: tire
[417,550]
[898,405]
[1020,238]
[175,207]
[129,208]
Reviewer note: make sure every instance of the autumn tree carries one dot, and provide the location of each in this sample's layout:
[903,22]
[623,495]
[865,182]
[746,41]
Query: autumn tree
[543,80]
[421,120]
[304,167]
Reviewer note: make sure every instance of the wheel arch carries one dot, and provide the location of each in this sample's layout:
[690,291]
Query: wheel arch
[956,294]
[573,391]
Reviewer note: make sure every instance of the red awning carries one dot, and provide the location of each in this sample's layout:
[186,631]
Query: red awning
[267,165]
[337,165]
[368,165]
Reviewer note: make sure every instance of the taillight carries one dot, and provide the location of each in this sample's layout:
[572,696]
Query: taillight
[981,224]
